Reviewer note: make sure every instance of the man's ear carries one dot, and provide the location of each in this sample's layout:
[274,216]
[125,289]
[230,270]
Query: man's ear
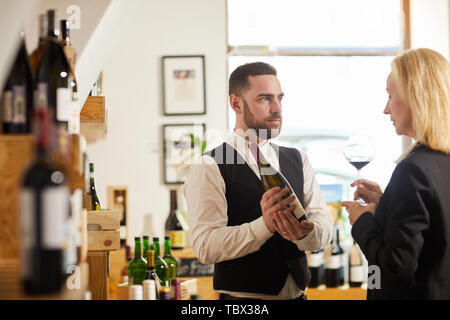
[235,101]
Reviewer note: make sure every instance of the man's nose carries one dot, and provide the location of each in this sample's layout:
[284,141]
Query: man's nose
[275,106]
[386,109]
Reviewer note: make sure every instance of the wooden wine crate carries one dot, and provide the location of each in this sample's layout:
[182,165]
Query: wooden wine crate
[344,293]
[103,237]
[187,287]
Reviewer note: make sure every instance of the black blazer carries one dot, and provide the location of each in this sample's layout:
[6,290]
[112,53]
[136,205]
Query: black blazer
[408,238]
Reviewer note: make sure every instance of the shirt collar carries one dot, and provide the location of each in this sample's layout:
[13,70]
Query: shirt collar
[407,152]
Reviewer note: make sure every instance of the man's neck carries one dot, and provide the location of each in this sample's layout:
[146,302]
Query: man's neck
[250,135]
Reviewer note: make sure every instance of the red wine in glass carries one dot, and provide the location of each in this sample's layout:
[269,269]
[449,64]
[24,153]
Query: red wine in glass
[359,152]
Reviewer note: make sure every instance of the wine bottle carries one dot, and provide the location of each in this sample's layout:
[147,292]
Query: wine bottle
[45,206]
[271,178]
[36,55]
[53,88]
[17,98]
[95,202]
[71,55]
[151,274]
[355,266]
[170,260]
[334,267]
[145,246]
[150,292]
[316,268]
[138,266]
[175,289]
[174,225]
[160,264]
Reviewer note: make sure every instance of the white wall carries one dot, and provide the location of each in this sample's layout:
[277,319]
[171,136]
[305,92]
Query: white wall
[131,154]
[430,25]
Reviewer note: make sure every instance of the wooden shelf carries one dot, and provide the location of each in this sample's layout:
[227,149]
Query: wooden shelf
[343,293]
[93,119]
[11,288]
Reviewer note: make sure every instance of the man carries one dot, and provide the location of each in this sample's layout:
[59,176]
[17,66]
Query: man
[250,235]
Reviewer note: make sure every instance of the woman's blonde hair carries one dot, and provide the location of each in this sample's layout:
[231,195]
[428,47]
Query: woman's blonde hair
[423,77]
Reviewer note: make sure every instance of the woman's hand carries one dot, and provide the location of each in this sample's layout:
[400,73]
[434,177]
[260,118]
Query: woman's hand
[368,191]
[355,209]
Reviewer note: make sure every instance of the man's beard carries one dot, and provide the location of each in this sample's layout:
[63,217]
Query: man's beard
[261,130]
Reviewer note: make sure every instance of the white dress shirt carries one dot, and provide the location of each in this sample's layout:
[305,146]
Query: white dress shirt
[213,241]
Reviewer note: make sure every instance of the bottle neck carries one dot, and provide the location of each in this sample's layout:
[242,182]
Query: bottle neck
[167,251]
[156,248]
[173,201]
[137,250]
[150,259]
[42,27]
[65,32]
[51,24]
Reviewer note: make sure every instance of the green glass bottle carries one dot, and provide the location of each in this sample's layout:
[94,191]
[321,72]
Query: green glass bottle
[169,259]
[146,246]
[271,178]
[160,264]
[138,266]
[92,190]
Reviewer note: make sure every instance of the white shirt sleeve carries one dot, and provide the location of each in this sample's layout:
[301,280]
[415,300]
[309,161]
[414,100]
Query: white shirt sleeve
[212,240]
[316,211]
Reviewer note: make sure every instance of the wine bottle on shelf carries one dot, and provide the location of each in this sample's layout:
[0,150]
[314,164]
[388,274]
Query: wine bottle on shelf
[36,55]
[316,268]
[151,275]
[170,260]
[16,102]
[334,267]
[355,266]
[71,55]
[95,202]
[138,266]
[53,87]
[271,178]
[44,211]
[175,226]
[145,245]
[121,205]
[160,264]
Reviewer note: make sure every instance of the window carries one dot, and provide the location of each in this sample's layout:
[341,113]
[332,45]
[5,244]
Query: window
[332,58]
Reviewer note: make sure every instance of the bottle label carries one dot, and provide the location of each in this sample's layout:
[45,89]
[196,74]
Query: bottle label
[177,238]
[27,231]
[54,214]
[40,96]
[19,105]
[334,262]
[63,104]
[6,105]
[315,259]
[356,273]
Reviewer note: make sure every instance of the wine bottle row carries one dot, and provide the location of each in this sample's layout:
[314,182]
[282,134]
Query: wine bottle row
[149,270]
[45,79]
[330,271]
[40,97]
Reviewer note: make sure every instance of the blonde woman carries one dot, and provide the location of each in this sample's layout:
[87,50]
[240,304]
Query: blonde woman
[406,230]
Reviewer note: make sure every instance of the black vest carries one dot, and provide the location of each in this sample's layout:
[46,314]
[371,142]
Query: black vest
[264,271]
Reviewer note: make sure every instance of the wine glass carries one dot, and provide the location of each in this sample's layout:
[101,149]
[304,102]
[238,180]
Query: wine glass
[359,151]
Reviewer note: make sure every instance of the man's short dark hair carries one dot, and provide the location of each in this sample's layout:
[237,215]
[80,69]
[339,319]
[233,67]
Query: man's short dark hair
[238,82]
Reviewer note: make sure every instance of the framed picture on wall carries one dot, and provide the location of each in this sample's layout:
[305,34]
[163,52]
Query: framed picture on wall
[182,144]
[184,85]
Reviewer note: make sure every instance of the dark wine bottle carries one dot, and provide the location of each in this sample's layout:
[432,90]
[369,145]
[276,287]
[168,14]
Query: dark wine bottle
[334,267]
[174,227]
[316,268]
[95,202]
[355,266]
[153,292]
[16,101]
[271,178]
[53,88]
[36,55]
[45,205]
